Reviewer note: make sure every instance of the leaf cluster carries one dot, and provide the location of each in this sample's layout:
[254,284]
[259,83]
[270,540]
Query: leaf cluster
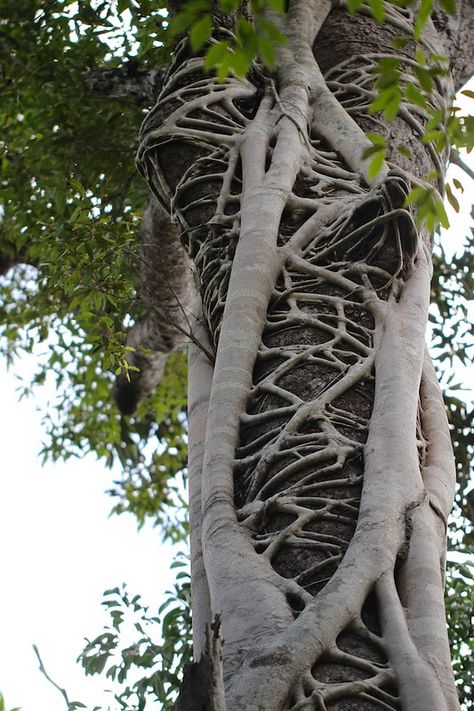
[252,39]
[161,644]
[71,200]
[452,295]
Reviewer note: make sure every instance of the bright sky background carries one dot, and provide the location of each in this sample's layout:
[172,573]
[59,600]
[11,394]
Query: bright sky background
[60,549]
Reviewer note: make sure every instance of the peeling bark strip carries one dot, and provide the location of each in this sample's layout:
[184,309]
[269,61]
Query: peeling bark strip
[202,688]
[325,488]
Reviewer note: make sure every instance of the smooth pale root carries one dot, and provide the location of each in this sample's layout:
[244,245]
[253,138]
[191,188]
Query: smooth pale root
[421,593]
[392,444]
[228,557]
[422,575]
[439,472]
[328,118]
[334,124]
[199,389]
[255,268]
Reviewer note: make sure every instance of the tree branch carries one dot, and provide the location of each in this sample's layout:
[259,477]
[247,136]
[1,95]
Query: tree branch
[140,86]
[51,681]
[456,159]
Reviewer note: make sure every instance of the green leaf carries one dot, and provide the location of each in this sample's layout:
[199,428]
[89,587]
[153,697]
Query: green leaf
[354,5]
[424,77]
[376,164]
[247,36]
[405,151]
[278,5]
[400,42]
[229,5]
[392,106]
[215,54]
[200,32]
[449,6]
[78,187]
[270,29]
[123,5]
[257,7]
[415,96]
[441,214]
[266,50]
[181,23]
[376,139]
[225,66]
[377,9]
[452,198]
[422,16]
[416,195]
[379,103]
[468,93]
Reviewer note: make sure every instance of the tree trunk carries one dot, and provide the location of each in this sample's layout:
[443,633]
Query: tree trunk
[321,484]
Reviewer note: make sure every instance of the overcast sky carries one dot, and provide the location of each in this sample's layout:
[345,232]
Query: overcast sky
[60,551]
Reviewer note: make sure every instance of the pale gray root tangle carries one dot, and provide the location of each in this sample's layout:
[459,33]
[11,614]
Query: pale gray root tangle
[323,484]
[166,291]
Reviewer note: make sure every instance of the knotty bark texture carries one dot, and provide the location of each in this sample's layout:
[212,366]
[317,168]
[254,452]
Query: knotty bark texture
[321,469]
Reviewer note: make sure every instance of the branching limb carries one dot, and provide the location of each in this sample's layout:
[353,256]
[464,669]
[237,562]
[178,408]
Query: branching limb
[455,158]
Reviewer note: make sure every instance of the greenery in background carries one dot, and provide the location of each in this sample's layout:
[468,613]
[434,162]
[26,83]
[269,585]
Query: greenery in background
[70,209]
[161,644]
[71,201]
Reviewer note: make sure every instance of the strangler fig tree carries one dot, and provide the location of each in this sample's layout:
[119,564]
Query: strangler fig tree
[321,470]
[299,149]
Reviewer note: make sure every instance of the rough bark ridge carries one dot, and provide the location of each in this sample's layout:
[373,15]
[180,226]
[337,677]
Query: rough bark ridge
[327,474]
[166,290]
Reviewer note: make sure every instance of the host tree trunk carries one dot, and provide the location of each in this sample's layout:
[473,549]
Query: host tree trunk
[320,460]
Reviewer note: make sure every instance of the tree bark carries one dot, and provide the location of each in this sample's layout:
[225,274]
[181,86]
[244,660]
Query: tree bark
[321,488]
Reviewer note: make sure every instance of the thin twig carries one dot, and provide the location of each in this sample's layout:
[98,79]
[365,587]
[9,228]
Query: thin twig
[456,159]
[51,681]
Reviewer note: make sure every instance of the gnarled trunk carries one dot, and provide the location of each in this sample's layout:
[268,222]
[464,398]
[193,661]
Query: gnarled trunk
[322,482]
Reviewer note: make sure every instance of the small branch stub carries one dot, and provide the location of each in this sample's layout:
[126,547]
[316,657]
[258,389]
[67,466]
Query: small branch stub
[203,686]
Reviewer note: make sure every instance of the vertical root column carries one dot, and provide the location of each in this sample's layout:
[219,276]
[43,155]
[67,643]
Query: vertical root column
[299,465]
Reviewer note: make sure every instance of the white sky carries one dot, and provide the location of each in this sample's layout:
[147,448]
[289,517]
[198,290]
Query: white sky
[60,551]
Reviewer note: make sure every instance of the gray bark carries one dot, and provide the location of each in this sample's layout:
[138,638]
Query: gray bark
[166,291]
